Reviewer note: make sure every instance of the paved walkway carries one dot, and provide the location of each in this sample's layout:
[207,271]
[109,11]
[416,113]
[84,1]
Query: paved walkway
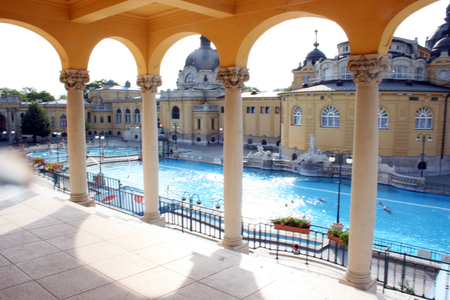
[51,248]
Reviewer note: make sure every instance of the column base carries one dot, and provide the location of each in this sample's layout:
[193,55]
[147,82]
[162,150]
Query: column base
[370,286]
[160,221]
[82,199]
[242,248]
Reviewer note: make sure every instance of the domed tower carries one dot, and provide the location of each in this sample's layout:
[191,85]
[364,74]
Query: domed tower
[200,69]
[439,32]
[304,74]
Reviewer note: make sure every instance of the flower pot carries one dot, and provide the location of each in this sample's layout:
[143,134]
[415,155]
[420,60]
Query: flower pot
[336,239]
[51,171]
[304,230]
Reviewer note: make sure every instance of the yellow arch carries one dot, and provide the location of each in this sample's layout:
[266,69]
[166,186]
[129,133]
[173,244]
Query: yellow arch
[251,38]
[64,58]
[137,54]
[388,32]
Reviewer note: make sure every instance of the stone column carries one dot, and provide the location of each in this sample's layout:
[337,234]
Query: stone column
[367,71]
[149,85]
[74,81]
[233,79]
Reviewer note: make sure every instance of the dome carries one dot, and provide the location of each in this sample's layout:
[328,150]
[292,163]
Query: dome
[203,58]
[439,33]
[162,137]
[315,55]
[442,45]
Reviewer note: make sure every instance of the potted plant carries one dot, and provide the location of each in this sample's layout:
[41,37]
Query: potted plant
[51,167]
[38,160]
[300,225]
[338,235]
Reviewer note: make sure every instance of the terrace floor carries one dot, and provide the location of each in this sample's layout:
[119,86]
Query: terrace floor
[51,248]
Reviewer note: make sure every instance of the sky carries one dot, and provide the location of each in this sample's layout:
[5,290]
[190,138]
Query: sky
[28,60]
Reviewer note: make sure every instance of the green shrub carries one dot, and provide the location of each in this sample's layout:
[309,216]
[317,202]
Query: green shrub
[344,237]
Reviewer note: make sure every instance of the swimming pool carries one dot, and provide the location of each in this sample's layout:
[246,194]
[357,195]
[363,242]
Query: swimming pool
[52,155]
[416,219]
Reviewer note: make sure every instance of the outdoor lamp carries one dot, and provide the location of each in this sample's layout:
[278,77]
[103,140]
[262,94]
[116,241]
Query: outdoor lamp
[349,159]
[332,158]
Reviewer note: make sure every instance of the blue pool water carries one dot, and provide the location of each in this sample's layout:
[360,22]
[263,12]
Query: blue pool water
[53,154]
[417,218]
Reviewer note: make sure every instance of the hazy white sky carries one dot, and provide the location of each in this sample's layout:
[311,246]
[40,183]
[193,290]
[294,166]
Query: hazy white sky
[29,60]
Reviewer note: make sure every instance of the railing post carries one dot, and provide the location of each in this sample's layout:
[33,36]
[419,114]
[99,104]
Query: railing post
[386,268]
[220,227]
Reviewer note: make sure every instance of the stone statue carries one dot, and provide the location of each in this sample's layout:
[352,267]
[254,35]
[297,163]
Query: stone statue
[312,141]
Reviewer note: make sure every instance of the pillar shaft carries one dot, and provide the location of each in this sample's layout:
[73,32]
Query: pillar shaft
[368,71]
[149,85]
[233,79]
[74,81]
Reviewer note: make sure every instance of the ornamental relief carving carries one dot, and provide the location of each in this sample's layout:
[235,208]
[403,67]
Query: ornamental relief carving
[233,77]
[403,112]
[442,74]
[366,69]
[149,83]
[74,79]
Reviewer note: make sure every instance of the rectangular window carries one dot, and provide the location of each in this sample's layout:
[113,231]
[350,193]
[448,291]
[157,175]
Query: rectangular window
[322,97]
[434,98]
[267,110]
[277,110]
[199,124]
[222,109]
[109,119]
[101,119]
[53,124]
[12,116]
[118,118]
[63,123]
[212,123]
[413,98]
[250,109]
[95,119]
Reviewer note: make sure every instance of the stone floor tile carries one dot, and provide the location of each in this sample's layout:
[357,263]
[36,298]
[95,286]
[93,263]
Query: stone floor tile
[16,239]
[113,291]
[9,227]
[72,216]
[17,208]
[197,266]
[91,222]
[75,240]
[11,276]
[73,282]
[124,265]
[54,231]
[4,261]
[198,291]
[49,265]
[163,253]
[238,282]
[112,230]
[137,241]
[28,251]
[25,215]
[3,220]
[42,222]
[96,252]
[26,291]
[156,282]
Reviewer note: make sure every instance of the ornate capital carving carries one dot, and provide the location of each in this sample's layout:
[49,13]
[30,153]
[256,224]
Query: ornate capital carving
[74,79]
[149,83]
[367,68]
[233,77]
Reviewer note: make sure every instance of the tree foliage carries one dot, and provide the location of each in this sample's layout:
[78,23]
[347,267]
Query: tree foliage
[27,94]
[35,121]
[250,89]
[87,126]
[289,88]
[7,92]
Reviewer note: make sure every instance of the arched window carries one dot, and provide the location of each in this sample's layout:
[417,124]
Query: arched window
[328,74]
[118,116]
[63,121]
[330,117]
[190,78]
[345,74]
[263,142]
[127,115]
[383,118]
[400,72]
[294,156]
[424,118]
[137,116]
[419,74]
[297,116]
[175,113]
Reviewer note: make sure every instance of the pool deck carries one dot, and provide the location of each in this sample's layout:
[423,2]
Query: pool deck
[51,248]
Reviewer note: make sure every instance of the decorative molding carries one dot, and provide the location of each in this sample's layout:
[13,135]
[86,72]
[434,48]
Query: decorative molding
[149,83]
[233,77]
[442,74]
[74,79]
[367,68]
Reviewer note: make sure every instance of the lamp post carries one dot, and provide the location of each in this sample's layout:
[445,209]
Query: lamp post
[336,154]
[176,125]
[57,133]
[100,139]
[424,136]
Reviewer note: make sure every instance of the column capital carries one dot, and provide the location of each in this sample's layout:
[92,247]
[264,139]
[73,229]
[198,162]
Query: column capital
[149,83]
[367,68]
[74,79]
[233,77]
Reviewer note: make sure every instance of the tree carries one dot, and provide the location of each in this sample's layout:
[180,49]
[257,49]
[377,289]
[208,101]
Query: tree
[97,84]
[7,91]
[87,126]
[35,121]
[63,96]
[289,88]
[44,95]
[250,89]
